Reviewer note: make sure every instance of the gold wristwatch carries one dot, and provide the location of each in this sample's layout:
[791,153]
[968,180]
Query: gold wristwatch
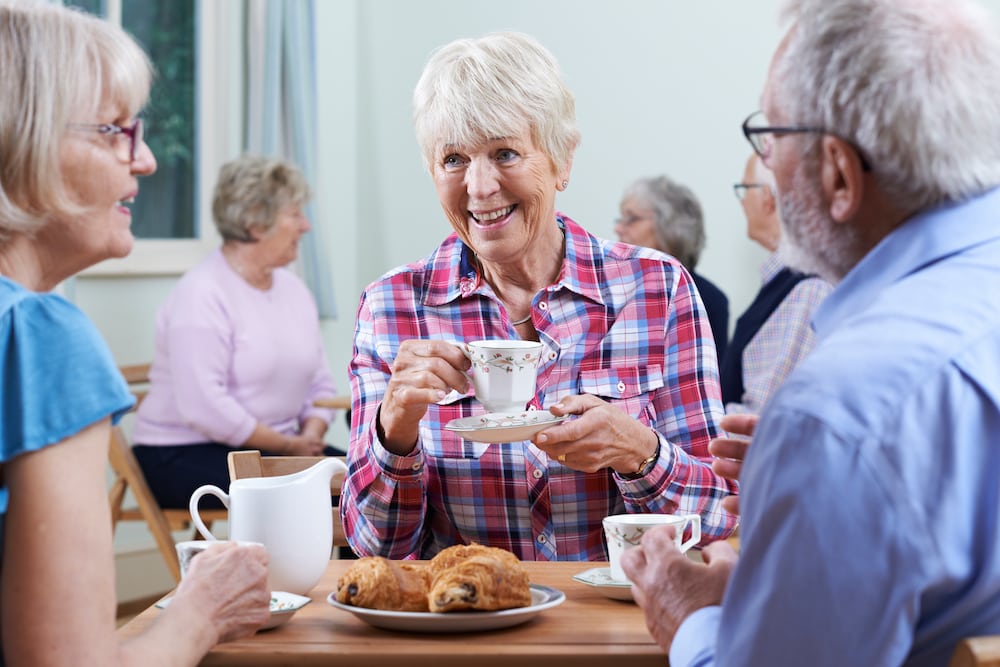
[646,465]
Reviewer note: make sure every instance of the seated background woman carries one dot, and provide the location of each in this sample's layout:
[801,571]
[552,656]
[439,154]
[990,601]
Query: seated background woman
[71,154]
[663,214]
[239,358]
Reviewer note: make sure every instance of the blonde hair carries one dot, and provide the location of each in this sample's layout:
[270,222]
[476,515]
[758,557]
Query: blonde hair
[60,65]
[251,191]
[494,86]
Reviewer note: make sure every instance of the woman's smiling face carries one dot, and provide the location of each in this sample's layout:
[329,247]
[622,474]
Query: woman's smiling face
[498,194]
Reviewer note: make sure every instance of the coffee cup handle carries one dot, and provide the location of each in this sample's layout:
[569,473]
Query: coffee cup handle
[208,489]
[695,521]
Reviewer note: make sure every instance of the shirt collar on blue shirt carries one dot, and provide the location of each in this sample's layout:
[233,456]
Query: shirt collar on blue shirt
[924,238]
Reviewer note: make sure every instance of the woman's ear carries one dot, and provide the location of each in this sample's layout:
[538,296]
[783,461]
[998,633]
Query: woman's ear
[563,174]
[841,177]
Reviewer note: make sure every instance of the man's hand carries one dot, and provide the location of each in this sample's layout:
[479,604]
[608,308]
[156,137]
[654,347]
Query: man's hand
[669,586]
[730,450]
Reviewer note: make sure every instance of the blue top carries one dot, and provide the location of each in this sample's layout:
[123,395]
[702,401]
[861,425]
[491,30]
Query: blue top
[871,533]
[58,376]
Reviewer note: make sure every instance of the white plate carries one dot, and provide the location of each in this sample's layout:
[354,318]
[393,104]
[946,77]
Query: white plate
[600,578]
[542,598]
[283,607]
[503,426]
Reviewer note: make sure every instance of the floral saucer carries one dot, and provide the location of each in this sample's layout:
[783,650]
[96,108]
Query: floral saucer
[503,426]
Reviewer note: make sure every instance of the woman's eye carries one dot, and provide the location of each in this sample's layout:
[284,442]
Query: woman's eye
[452,162]
[506,155]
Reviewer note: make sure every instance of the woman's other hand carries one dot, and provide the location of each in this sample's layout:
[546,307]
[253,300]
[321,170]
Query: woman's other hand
[602,436]
[423,373]
[229,583]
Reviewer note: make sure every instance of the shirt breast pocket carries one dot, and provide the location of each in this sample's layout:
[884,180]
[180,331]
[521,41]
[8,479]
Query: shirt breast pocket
[628,388]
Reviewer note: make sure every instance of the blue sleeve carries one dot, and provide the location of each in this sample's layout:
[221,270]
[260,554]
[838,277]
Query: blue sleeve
[826,575]
[58,376]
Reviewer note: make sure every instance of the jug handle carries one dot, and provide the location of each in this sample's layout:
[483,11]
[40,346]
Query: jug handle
[208,489]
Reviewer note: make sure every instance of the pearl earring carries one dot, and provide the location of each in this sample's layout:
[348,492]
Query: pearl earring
[565,184]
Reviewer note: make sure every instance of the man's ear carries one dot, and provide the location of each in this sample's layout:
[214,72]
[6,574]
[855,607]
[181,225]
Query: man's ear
[842,178]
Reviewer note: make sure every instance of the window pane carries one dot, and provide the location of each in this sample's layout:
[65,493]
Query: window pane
[165,207]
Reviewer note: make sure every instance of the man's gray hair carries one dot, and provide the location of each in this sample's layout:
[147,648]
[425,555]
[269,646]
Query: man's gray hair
[913,84]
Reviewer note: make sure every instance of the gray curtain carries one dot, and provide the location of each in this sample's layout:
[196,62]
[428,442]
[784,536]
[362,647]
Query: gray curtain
[281,114]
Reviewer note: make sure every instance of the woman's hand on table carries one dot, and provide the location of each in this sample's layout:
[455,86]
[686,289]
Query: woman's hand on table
[228,583]
[601,436]
[669,586]
[304,445]
[423,373]
[730,451]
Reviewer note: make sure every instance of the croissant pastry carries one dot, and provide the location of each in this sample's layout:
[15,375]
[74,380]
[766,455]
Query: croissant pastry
[484,582]
[452,556]
[379,583]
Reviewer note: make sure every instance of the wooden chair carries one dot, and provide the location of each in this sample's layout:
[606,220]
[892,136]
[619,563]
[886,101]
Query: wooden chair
[128,476]
[977,652]
[249,463]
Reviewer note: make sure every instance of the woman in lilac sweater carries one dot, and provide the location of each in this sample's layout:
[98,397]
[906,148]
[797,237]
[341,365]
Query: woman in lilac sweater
[239,359]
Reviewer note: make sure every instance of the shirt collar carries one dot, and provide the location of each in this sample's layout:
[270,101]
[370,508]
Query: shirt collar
[771,267]
[453,272]
[923,239]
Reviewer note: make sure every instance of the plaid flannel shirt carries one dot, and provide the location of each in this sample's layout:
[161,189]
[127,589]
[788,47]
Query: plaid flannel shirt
[621,322]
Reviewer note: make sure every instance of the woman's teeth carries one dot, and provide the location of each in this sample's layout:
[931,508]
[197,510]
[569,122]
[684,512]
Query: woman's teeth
[494,215]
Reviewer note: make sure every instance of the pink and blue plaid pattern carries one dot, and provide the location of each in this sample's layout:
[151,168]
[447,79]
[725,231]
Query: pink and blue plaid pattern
[621,322]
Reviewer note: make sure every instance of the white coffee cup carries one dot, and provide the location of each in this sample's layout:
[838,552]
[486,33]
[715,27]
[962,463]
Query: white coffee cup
[503,372]
[186,551]
[625,531]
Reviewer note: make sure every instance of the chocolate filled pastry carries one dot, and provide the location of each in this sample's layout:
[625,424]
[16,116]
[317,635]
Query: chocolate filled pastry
[484,582]
[379,583]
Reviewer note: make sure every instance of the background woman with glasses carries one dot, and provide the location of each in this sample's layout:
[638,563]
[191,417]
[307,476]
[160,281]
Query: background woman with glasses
[71,152]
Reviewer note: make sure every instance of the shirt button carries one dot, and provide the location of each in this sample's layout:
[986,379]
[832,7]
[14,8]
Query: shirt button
[536,473]
[416,466]
[621,387]
[541,539]
[543,305]
[552,355]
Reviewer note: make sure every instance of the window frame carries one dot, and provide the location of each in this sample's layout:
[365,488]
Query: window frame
[219,132]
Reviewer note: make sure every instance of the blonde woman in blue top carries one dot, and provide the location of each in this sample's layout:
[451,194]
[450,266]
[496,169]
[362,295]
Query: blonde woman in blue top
[71,151]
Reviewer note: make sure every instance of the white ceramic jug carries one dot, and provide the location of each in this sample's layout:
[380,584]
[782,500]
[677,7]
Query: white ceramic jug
[291,515]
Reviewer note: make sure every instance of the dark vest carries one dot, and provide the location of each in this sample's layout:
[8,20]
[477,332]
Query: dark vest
[766,302]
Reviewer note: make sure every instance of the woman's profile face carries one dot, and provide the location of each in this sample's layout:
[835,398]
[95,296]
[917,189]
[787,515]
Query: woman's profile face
[498,194]
[636,224]
[281,241]
[99,175]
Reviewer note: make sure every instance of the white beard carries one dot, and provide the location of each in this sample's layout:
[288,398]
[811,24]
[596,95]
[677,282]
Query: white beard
[811,241]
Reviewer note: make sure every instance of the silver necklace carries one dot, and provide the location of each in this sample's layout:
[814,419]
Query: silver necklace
[522,320]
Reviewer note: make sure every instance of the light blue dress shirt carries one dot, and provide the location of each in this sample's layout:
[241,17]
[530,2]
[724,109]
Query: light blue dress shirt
[870,495]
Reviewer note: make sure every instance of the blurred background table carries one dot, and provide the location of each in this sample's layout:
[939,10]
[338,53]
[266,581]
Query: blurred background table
[339,402]
[587,630]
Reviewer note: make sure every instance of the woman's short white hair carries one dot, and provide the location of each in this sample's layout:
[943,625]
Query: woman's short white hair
[913,84]
[251,191]
[58,65]
[494,86]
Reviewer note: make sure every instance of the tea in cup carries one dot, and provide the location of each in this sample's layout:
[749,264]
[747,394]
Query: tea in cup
[503,372]
[625,531]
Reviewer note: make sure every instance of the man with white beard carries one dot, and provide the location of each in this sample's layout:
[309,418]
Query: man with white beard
[869,496]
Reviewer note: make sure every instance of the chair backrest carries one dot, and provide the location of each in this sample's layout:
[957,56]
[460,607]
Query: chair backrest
[249,463]
[977,652]
[128,476]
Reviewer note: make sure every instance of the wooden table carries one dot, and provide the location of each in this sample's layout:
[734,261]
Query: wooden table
[587,629]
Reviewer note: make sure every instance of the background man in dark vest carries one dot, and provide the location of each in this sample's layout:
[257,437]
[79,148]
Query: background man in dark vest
[773,334]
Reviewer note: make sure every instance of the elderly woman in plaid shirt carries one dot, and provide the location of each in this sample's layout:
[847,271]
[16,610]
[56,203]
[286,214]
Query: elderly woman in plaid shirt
[628,351]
